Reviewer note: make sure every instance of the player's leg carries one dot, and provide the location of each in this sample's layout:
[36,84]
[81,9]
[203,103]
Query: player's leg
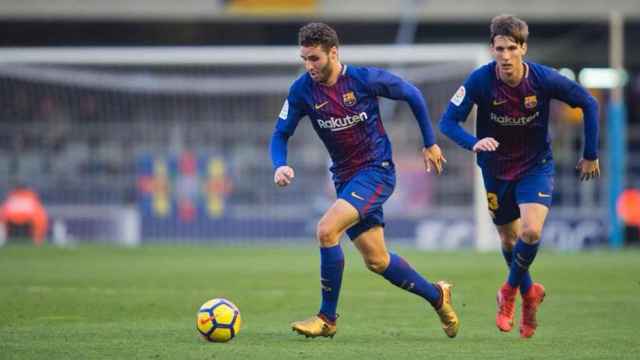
[533,217]
[508,237]
[340,216]
[508,234]
[397,271]
[505,214]
[370,244]
[393,267]
[534,198]
[524,252]
[367,192]
[506,297]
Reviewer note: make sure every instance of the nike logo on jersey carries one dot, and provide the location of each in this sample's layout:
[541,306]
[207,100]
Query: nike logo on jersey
[498,103]
[353,193]
[541,194]
[319,106]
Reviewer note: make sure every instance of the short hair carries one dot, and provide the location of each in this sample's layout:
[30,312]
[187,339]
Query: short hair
[314,34]
[509,26]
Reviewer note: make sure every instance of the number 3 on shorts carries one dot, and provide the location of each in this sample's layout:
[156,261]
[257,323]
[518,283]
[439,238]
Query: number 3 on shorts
[492,199]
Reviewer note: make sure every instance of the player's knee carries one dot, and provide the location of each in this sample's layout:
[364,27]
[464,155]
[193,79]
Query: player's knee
[508,239]
[377,264]
[326,234]
[531,235]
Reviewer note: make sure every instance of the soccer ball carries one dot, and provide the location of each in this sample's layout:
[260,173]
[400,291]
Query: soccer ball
[218,320]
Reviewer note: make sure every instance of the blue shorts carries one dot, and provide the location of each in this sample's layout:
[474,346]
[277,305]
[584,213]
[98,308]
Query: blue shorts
[367,190]
[504,196]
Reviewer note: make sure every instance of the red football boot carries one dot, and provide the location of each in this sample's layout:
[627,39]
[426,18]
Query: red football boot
[506,307]
[531,300]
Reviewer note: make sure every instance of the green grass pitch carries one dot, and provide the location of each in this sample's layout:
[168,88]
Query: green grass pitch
[95,302]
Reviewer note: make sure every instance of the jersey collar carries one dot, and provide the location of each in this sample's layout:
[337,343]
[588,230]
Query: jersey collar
[526,71]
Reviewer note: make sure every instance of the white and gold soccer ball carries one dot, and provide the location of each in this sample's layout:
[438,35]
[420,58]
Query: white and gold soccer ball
[218,320]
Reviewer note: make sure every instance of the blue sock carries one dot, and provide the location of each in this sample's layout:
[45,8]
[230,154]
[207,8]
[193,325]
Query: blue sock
[402,275]
[331,268]
[526,282]
[523,255]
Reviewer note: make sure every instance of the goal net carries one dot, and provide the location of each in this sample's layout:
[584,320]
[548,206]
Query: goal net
[181,135]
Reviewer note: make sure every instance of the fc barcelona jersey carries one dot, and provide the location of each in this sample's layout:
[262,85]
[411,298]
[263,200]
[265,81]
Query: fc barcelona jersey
[346,116]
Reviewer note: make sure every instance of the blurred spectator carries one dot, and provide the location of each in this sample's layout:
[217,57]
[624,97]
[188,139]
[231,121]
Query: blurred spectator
[22,210]
[628,207]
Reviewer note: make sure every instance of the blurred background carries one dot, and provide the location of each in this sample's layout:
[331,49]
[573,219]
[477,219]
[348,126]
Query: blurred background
[149,121]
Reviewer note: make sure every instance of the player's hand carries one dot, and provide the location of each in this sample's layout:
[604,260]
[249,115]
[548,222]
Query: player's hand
[588,169]
[283,175]
[486,144]
[433,158]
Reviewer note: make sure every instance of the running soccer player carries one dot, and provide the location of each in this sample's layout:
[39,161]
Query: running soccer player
[342,103]
[514,153]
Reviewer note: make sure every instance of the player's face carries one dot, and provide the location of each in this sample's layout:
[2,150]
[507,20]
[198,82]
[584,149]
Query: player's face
[509,55]
[318,63]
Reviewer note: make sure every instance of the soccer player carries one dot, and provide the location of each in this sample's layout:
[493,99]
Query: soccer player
[342,104]
[514,153]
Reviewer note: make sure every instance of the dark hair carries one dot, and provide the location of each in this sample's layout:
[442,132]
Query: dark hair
[509,26]
[314,34]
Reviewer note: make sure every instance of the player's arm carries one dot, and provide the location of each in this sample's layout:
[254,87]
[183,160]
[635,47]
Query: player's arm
[385,84]
[575,95]
[457,112]
[286,125]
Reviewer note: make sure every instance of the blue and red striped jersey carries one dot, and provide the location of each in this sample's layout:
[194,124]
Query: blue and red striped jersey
[517,117]
[346,116]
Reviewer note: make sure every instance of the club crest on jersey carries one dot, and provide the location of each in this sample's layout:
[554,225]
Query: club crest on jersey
[349,98]
[530,102]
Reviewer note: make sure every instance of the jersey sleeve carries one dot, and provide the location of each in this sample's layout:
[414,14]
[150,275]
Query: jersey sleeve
[458,110]
[383,83]
[290,114]
[572,93]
